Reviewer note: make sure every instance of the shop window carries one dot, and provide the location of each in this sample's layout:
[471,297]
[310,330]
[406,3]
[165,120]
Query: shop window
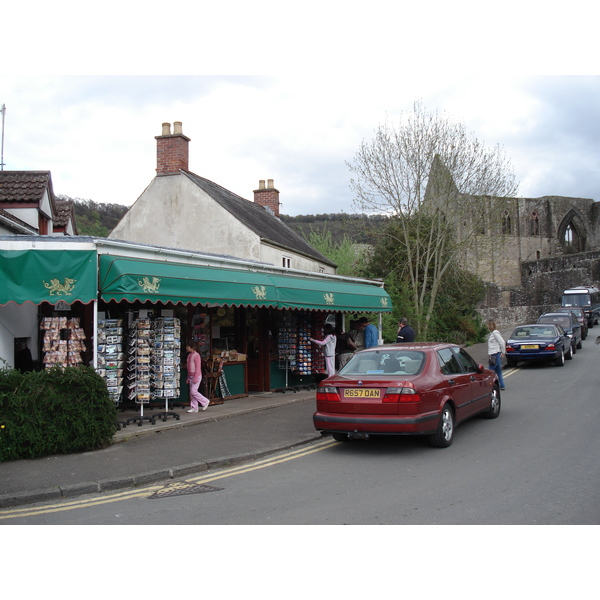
[226,331]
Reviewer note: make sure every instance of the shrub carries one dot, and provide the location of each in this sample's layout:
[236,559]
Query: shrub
[55,411]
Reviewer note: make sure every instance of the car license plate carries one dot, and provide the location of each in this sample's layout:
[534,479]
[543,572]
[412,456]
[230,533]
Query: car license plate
[362,393]
[530,346]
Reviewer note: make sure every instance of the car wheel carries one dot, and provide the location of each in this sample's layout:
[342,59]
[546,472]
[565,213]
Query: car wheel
[579,345]
[444,435]
[494,410]
[560,360]
[340,437]
[569,354]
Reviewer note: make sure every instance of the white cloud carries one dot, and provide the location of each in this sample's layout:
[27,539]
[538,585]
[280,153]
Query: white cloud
[96,134]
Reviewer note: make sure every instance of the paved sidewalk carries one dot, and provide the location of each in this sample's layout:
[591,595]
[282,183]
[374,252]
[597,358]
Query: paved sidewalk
[235,431]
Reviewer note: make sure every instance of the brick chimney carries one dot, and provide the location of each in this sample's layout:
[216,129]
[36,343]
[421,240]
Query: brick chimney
[172,153]
[267,196]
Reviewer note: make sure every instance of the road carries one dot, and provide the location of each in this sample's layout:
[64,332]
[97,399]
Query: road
[538,463]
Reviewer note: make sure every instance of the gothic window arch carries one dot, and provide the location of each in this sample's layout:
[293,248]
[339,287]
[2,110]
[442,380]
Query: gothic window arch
[569,235]
[572,232]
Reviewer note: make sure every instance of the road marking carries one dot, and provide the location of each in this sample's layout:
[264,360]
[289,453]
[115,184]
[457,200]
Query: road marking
[146,491]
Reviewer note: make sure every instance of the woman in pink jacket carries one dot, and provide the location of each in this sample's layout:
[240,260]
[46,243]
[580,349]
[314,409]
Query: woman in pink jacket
[194,369]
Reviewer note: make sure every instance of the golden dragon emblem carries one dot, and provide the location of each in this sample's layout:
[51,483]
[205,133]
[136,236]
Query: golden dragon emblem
[149,286]
[60,289]
[260,292]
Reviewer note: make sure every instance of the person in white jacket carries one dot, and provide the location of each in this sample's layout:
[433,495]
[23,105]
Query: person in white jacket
[329,346]
[496,350]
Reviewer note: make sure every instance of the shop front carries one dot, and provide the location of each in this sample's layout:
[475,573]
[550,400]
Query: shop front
[252,325]
[129,310]
[47,304]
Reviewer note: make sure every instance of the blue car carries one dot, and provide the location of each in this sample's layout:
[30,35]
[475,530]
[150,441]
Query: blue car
[538,342]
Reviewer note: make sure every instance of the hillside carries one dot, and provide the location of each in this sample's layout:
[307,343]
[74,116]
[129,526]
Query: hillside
[359,228]
[97,219]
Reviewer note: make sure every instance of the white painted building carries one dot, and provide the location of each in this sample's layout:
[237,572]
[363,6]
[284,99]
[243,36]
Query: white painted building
[180,209]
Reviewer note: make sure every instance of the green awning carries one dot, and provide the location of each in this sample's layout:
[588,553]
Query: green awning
[134,279]
[47,276]
[330,294]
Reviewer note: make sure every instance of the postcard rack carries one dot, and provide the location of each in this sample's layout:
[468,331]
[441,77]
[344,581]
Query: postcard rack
[165,363]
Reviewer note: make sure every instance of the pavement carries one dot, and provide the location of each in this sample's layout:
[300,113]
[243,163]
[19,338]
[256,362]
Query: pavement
[236,431]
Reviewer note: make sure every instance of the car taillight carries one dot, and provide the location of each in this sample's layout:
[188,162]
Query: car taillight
[328,393]
[509,348]
[550,347]
[406,393]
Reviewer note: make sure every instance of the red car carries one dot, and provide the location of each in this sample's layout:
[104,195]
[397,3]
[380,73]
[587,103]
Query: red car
[415,389]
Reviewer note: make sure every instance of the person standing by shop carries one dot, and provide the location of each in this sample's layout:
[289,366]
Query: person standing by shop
[405,332]
[328,344]
[370,331]
[345,347]
[496,349]
[357,335]
[194,377]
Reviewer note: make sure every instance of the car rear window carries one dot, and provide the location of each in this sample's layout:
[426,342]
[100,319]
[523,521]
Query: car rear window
[565,321]
[533,331]
[395,362]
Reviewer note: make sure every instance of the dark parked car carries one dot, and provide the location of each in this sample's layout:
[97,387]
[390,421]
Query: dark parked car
[411,388]
[569,323]
[581,318]
[538,342]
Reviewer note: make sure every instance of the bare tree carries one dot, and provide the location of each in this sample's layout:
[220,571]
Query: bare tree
[443,186]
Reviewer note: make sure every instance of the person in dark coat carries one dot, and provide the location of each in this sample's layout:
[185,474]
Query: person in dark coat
[23,359]
[405,332]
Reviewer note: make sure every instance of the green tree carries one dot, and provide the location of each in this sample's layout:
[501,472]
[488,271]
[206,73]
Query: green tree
[348,257]
[455,318]
[443,186]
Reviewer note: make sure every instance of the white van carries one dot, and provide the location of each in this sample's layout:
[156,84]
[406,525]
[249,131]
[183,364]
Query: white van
[584,297]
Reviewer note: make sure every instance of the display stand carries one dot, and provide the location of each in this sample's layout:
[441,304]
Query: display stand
[165,363]
[140,335]
[111,359]
[63,342]
[285,364]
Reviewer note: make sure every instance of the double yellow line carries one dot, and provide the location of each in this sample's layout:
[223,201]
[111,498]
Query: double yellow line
[146,491]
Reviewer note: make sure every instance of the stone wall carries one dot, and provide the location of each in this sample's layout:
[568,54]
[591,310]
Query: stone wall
[542,284]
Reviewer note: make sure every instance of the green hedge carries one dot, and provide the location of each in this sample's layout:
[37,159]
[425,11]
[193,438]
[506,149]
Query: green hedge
[55,411]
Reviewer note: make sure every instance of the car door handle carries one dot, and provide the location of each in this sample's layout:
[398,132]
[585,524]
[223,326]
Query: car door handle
[451,381]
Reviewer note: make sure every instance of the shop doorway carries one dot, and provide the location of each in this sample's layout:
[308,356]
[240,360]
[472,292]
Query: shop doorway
[257,326]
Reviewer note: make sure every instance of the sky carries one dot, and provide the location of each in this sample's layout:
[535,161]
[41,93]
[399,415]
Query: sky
[256,105]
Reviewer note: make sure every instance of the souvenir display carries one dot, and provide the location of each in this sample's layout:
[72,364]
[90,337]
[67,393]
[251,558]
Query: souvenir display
[111,356]
[165,357]
[63,342]
[287,341]
[295,351]
[318,365]
[138,361]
